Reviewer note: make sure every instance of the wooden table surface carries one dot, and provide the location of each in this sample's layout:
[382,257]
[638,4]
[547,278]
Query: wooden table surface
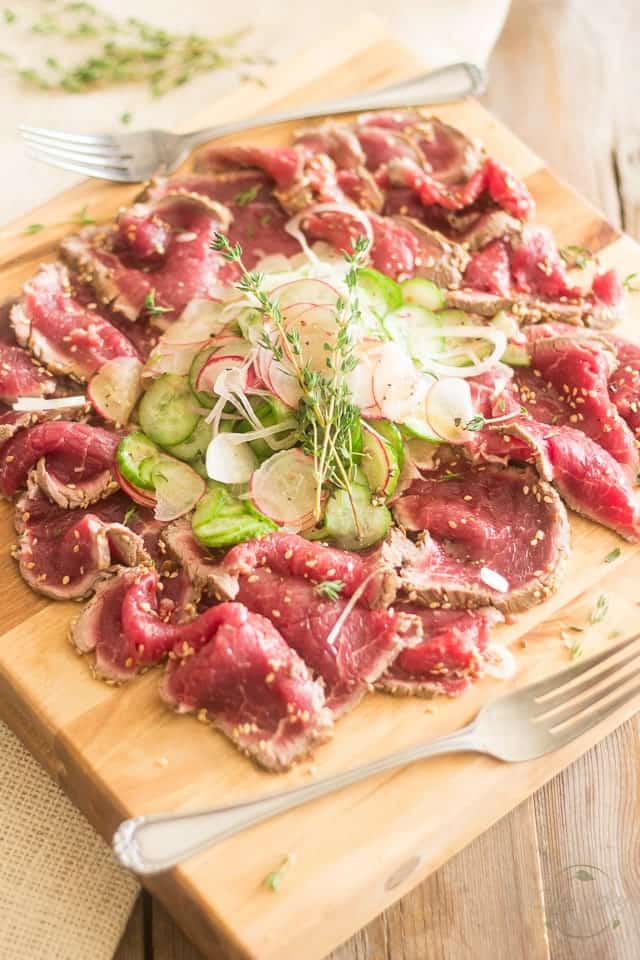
[560,876]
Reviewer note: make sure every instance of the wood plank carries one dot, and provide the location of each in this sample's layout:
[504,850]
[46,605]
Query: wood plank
[359,857]
[132,945]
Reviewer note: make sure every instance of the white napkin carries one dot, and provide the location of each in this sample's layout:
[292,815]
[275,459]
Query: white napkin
[35,924]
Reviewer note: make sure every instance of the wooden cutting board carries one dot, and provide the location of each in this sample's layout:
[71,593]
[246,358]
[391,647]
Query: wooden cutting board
[120,752]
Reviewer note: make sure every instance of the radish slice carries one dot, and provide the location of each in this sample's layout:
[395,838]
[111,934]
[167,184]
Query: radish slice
[397,385]
[178,488]
[142,497]
[304,291]
[213,368]
[284,489]
[115,389]
[33,404]
[229,461]
[448,408]
[284,383]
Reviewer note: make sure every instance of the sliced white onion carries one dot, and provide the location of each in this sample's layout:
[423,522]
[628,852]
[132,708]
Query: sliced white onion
[284,488]
[494,580]
[171,358]
[33,404]
[464,331]
[213,376]
[115,388]
[229,461]
[352,601]
[263,433]
[448,408]
[293,227]
[200,320]
[501,663]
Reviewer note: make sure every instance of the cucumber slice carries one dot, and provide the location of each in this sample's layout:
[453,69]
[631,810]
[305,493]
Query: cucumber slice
[269,411]
[167,412]
[250,324]
[374,521]
[381,293]
[195,446]
[136,456]
[379,462]
[423,293]
[453,318]
[392,435]
[417,329]
[516,356]
[414,427]
[221,520]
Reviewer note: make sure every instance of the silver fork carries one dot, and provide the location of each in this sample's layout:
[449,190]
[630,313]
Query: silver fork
[132,157]
[523,725]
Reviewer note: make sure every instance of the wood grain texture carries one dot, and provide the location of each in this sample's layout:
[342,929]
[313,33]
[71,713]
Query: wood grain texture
[104,744]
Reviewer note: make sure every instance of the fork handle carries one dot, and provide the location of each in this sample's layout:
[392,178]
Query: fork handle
[150,844]
[444,85]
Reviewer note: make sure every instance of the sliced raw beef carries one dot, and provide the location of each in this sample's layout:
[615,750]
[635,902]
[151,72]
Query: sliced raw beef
[248,683]
[288,554]
[64,553]
[98,629]
[437,258]
[64,334]
[486,535]
[337,140]
[579,371]
[452,653]
[346,645]
[76,454]
[258,221]
[478,229]
[587,477]
[489,270]
[205,573]
[302,178]
[361,188]
[159,251]
[21,376]
[624,384]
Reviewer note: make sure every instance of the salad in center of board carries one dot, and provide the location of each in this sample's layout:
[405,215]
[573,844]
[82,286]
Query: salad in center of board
[293,398]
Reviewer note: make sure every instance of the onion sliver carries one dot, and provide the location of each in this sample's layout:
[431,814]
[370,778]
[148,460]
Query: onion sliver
[214,368]
[33,404]
[494,579]
[448,408]
[284,488]
[229,461]
[462,332]
[200,320]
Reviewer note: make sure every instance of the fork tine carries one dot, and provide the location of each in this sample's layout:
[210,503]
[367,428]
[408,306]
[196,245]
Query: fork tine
[102,139]
[105,173]
[83,149]
[574,730]
[558,680]
[118,163]
[576,709]
[560,699]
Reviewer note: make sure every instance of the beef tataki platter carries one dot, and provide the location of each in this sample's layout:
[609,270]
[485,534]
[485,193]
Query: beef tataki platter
[308,422]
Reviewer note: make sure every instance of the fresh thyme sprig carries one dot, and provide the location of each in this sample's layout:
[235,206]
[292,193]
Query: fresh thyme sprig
[104,51]
[576,256]
[327,417]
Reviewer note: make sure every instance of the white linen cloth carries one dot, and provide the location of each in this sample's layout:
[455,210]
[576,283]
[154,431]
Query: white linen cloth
[50,858]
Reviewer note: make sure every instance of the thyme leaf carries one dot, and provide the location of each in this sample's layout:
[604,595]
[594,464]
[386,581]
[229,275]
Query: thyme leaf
[33,228]
[330,589]
[610,557]
[632,282]
[247,196]
[153,308]
[273,881]
[82,218]
[576,256]
[129,515]
[600,610]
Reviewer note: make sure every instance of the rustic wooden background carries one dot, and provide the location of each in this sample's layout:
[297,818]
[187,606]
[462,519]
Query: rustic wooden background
[559,877]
